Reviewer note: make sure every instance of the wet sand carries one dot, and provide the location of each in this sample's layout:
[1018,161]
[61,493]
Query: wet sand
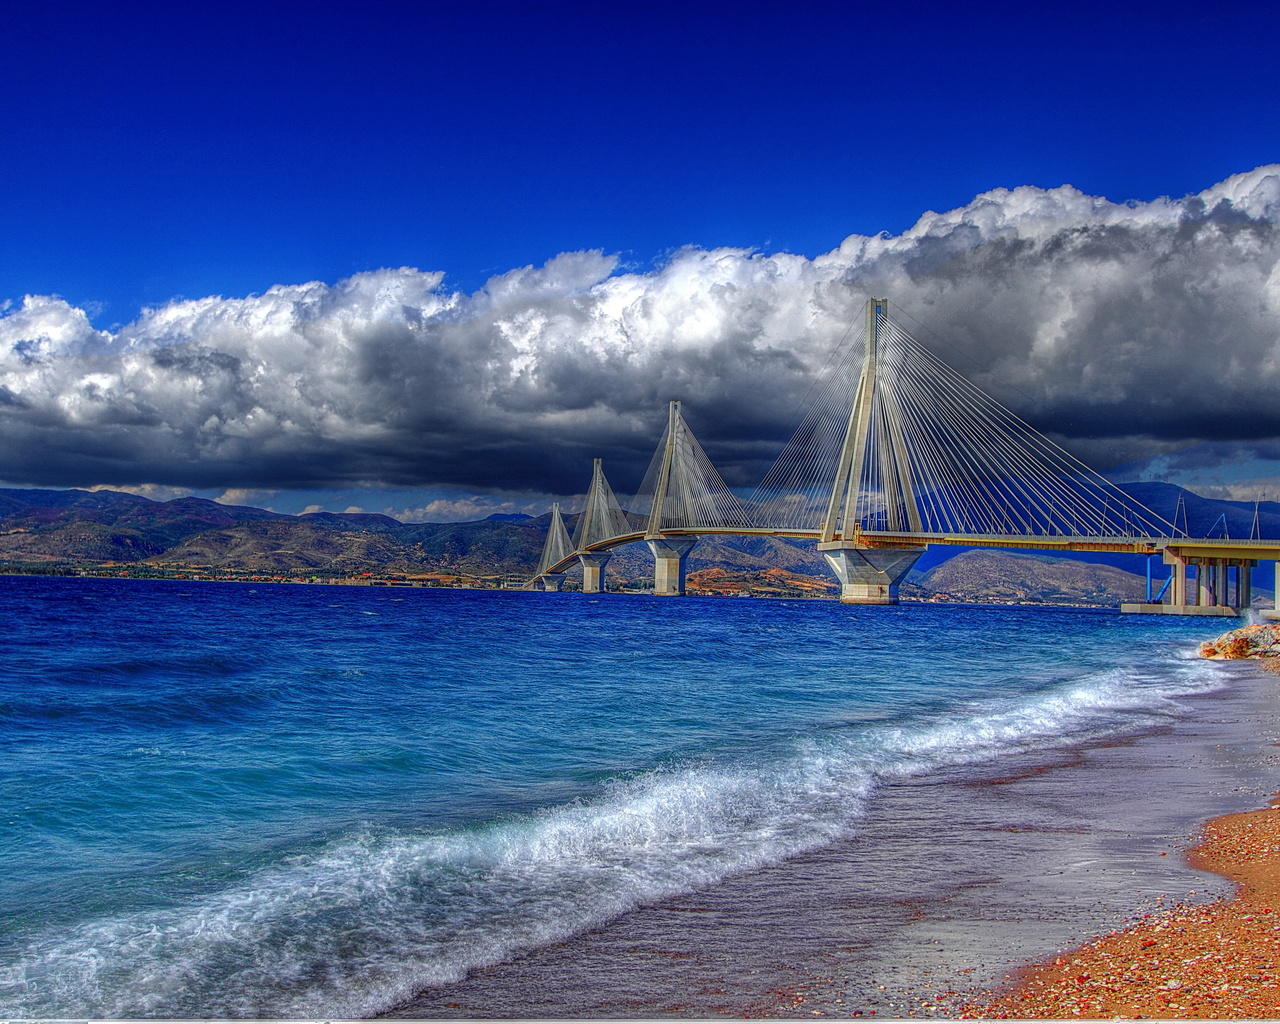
[953,883]
[1217,960]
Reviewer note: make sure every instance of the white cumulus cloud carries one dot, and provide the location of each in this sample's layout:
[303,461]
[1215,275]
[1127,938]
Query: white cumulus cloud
[1123,328]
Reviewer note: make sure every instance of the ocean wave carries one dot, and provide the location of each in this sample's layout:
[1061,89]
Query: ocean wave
[376,917]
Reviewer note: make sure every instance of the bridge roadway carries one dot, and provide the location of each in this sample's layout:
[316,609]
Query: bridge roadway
[1211,590]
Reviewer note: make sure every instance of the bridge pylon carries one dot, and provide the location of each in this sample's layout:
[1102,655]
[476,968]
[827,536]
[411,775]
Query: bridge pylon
[669,556]
[685,494]
[557,548]
[602,519]
[873,446]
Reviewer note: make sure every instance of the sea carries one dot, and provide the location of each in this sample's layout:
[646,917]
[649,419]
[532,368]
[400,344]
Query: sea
[235,800]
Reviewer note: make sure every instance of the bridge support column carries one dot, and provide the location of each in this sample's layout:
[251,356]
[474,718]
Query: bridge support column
[552,581]
[1221,579]
[1178,589]
[668,564]
[869,575]
[593,571]
[1206,594]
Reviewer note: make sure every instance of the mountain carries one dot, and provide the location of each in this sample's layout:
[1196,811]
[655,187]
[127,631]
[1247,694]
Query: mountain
[986,575]
[93,528]
[82,529]
[116,533]
[1206,517]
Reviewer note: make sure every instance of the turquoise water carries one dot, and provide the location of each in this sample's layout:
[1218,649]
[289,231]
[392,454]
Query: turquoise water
[235,801]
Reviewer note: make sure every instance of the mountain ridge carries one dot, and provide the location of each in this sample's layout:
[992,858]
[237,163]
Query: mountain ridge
[104,531]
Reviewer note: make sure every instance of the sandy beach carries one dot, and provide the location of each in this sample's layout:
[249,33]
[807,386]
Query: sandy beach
[1206,960]
[1215,960]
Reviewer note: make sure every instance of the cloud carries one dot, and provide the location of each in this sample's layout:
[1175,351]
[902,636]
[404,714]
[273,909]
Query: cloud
[156,492]
[1126,330]
[245,496]
[1233,470]
[467,509]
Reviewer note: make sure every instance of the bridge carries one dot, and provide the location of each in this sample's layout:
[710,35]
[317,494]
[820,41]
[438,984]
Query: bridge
[896,451]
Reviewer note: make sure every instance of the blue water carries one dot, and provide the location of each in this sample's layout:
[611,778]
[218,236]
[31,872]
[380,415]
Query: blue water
[222,800]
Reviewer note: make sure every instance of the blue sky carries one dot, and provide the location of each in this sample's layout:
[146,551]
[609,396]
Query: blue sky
[157,151]
[674,154]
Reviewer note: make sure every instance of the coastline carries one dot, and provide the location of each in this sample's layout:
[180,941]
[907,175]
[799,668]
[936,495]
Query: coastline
[1210,960]
[1219,959]
[953,884]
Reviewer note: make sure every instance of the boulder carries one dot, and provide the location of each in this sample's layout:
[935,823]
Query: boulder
[1259,641]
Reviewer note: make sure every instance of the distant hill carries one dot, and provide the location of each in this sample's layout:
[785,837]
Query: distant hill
[68,529]
[1012,577]
[1206,517]
[39,527]
[73,530]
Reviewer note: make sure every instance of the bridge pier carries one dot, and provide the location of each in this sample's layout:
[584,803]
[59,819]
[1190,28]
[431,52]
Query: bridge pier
[552,581]
[668,564]
[1273,614]
[593,564]
[869,575]
[1209,593]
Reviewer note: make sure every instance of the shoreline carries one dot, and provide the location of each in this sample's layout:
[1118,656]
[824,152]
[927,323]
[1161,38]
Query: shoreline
[951,885]
[1215,960]
[473,583]
[1212,960]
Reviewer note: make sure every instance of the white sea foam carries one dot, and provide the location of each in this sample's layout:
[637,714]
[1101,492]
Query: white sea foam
[375,918]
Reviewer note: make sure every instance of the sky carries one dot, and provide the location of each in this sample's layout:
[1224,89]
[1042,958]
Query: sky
[430,260]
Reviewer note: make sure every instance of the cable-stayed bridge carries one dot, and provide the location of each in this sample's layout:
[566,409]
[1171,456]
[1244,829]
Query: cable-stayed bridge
[896,451]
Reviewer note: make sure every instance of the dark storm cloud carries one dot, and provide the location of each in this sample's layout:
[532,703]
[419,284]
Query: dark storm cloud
[1122,330]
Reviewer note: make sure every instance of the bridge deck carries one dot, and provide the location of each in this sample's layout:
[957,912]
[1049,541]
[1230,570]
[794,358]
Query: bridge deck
[1183,547]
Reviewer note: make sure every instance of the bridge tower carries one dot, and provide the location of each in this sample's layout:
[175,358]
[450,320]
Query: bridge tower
[557,548]
[686,496]
[602,519]
[669,553]
[873,447]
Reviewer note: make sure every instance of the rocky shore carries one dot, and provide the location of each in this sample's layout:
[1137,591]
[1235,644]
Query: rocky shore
[1256,641]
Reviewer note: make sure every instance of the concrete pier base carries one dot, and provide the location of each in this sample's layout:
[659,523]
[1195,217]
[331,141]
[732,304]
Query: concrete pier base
[869,575]
[1212,610]
[668,564]
[1208,592]
[552,582]
[593,571]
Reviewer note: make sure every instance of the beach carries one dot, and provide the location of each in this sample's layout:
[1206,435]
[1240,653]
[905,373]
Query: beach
[1207,960]
[992,871]
[1214,960]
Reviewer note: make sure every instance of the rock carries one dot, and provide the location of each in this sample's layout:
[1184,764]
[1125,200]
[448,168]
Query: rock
[1258,641]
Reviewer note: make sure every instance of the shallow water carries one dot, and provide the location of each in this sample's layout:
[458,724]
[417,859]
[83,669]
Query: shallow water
[950,882]
[225,800]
